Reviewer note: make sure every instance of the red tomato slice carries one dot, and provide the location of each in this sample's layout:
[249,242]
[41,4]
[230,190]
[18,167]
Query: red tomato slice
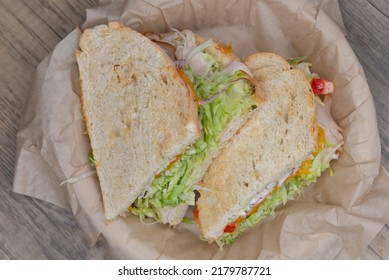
[230,228]
[318,86]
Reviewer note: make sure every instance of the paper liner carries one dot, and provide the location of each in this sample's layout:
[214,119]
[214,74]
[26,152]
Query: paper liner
[335,218]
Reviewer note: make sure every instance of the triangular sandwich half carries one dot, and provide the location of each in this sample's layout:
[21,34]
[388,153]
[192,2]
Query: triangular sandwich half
[279,150]
[139,111]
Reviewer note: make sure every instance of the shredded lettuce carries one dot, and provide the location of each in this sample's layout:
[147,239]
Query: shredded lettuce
[91,158]
[175,185]
[296,60]
[299,63]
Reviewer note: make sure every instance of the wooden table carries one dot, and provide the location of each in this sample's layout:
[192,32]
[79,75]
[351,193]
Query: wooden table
[30,29]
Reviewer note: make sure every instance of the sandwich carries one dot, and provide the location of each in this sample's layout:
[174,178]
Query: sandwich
[286,144]
[139,111]
[226,95]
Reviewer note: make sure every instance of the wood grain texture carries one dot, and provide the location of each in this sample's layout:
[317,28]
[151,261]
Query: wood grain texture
[30,29]
[367,27]
[32,229]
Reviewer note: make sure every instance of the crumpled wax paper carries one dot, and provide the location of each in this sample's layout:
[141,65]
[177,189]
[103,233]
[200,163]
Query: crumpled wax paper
[335,218]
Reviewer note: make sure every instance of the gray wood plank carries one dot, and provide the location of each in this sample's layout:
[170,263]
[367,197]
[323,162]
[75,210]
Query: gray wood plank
[29,30]
[32,229]
[367,29]
[379,247]
[381,6]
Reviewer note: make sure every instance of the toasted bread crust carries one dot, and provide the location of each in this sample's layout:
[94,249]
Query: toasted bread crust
[267,65]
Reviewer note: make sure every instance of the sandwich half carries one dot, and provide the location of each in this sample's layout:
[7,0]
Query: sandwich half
[139,111]
[277,152]
[226,95]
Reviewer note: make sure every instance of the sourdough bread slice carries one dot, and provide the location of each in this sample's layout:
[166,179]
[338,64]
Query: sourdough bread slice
[138,110]
[279,135]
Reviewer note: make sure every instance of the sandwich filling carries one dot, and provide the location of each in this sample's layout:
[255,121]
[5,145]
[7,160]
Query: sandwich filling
[225,95]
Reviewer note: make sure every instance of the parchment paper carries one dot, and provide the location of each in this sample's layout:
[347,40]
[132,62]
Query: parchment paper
[335,219]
